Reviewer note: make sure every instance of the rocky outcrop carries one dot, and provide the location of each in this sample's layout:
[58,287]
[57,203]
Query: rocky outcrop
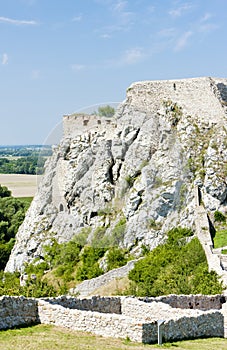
[133,175]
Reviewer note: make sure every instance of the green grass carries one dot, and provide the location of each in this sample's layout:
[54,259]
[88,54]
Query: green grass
[220,239]
[43,337]
[26,200]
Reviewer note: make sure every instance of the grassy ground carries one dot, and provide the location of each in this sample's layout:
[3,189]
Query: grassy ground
[220,239]
[44,337]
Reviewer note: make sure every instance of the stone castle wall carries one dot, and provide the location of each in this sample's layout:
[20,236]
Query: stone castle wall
[196,96]
[119,317]
[77,124]
[202,97]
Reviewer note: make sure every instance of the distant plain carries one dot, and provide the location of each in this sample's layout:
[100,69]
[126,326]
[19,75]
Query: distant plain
[20,185]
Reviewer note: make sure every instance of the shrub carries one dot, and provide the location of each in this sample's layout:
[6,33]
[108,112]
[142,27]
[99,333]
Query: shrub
[219,217]
[116,258]
[174,267]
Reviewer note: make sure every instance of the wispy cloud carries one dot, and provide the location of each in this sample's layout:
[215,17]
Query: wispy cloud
[5,59]
[183,40]
[132,56]
[206,17]
[35,74]
[77,67]
[105,36]
[16,21]
[129,57]
[167,32]
[205,26]
[77,18]
[181,10]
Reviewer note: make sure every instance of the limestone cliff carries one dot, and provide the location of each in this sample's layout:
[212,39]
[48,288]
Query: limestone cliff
[138,169]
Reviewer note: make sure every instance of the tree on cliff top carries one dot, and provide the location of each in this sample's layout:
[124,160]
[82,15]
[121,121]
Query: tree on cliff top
[106,111]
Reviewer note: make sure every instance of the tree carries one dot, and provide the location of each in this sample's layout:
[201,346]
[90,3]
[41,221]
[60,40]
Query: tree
[4,192]
[106,111]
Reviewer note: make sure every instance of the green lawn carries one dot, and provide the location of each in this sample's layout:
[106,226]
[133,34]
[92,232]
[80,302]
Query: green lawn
[42,337]
[220,239]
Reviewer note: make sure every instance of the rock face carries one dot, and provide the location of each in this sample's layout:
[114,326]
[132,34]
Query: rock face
[132,175]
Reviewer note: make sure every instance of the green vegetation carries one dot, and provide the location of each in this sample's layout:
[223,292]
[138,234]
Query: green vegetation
[174,267]
[47,337]
[219,217]
[12,213]
[152,224]
[220,238]
[106,111]
[175,111]
[23,159]
[23,165]
[65,264]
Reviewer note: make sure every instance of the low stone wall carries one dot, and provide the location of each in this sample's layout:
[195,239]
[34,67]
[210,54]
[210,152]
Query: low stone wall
[107,325]
[138,321]
[17,311]
[111,305]
[199,301]
[88,287]
[179,323]
[119,317]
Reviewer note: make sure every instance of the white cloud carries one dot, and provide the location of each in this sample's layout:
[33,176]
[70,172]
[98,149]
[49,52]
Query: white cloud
[77,67]
[5,59]
[207,27]
[35,74]
[167,32]
[16,21]
[183,40]
[77,18]
[120,6]
[105,36]
[132,56]
[206,17]
[179,11]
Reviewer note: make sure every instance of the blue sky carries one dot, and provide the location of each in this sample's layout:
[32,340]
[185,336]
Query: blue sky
[58,56]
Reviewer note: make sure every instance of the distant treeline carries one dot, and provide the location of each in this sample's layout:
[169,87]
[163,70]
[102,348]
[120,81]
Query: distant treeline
[25,151]
[23,159]
[24,165]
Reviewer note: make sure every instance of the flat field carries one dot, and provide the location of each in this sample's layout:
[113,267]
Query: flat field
[43,337]
[21,185]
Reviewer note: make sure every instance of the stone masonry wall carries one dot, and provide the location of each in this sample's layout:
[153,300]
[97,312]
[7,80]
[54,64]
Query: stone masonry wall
[199,301]
[17,311]
[124,317]
[197,96]
[88,287]
[110,305]
[107,325]
[179,323]
[74,125]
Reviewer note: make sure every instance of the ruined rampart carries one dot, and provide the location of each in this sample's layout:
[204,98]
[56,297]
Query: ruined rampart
[119,317]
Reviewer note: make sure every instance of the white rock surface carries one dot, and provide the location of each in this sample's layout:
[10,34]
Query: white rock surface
[140,165]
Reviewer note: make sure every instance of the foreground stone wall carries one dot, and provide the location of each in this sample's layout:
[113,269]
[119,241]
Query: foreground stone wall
[179,323]
[107,325]
[138,321]
[119,317]
[17,311]
[111,305]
